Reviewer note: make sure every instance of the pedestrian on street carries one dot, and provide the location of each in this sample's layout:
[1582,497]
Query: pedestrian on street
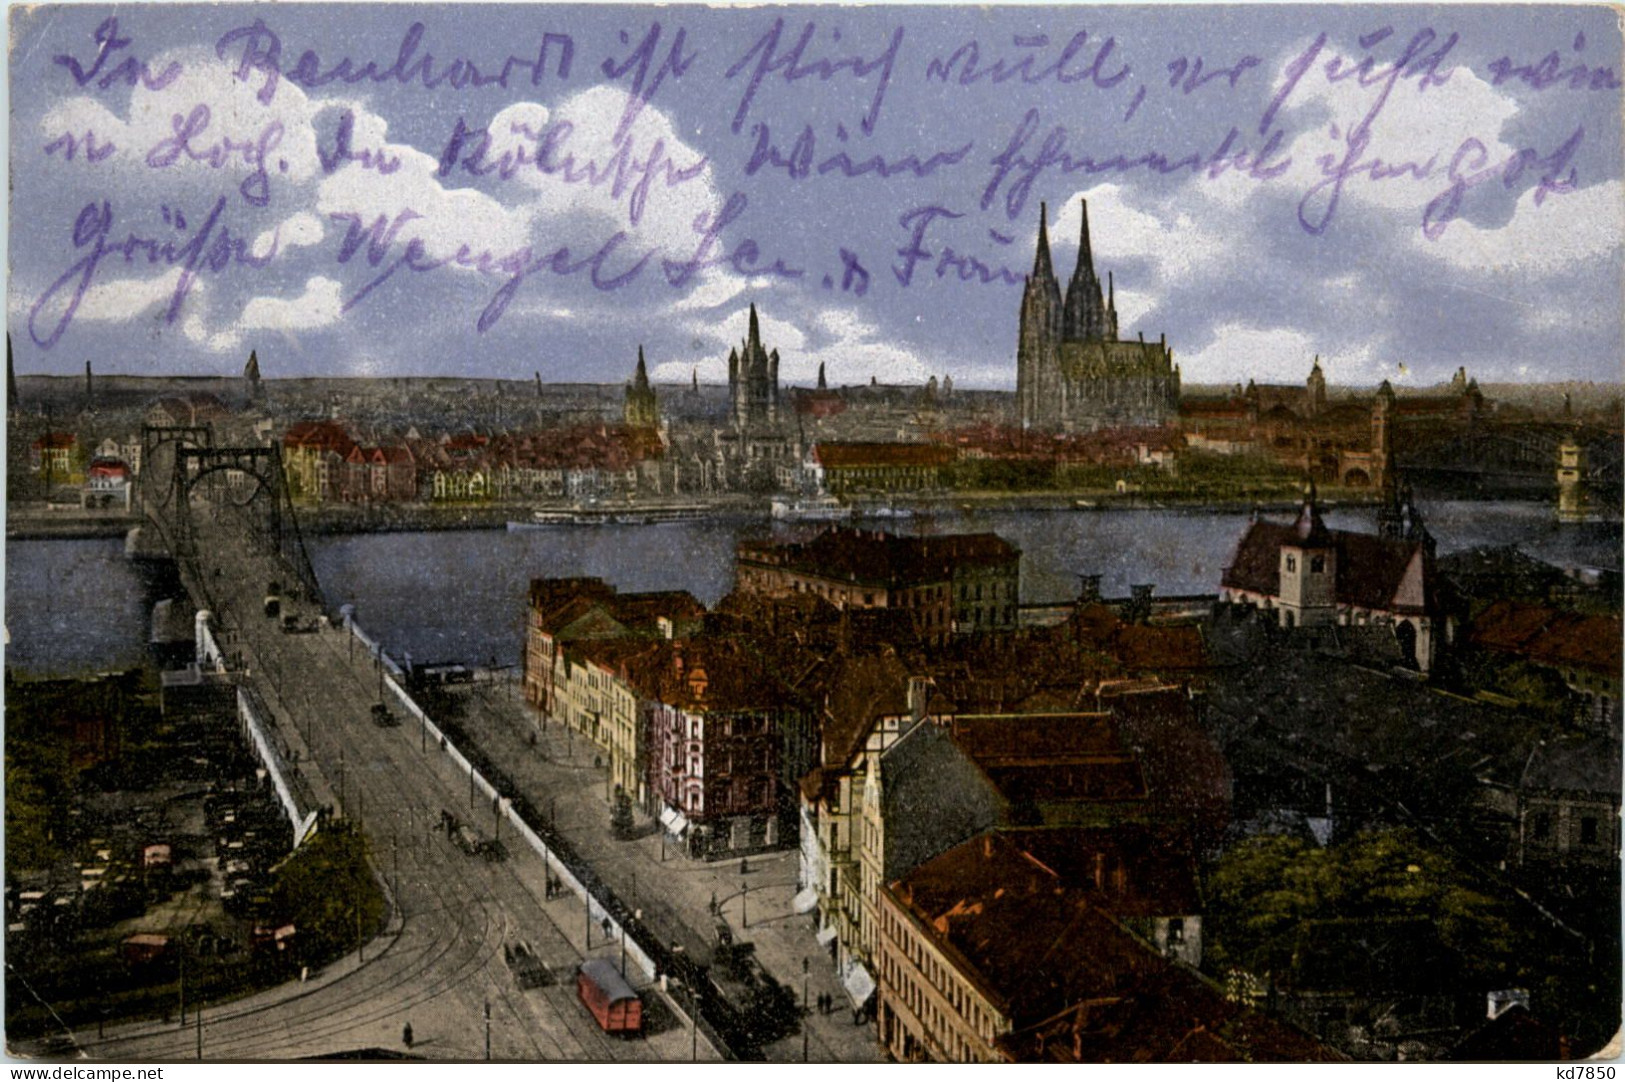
[406,1035]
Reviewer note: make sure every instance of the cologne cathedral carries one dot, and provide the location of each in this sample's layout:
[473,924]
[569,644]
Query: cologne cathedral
[1073,374]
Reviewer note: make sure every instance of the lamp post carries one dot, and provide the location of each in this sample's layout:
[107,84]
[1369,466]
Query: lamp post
[806,1015]
[488,1031]
[744,912]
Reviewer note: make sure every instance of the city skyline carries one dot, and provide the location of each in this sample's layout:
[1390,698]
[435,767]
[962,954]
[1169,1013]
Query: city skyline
[1250,272]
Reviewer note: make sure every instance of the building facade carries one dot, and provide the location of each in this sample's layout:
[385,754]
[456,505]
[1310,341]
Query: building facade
[1304,575]
[1073,372]
[960,583]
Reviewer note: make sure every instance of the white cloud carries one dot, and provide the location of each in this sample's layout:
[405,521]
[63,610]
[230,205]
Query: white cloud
[1242,351]
[302,230]
[650,183]
[1179,243]
[119,299]
[318,306]
[1566,231]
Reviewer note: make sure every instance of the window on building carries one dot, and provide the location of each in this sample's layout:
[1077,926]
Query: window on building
[1540,826]
[1588,830]
[1291,563]
[1317,565]
[1176,930]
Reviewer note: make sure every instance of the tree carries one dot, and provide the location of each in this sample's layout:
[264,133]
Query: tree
[621,820]
[1265,889]
[327,891]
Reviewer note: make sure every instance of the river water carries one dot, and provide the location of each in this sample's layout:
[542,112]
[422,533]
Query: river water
[74,606]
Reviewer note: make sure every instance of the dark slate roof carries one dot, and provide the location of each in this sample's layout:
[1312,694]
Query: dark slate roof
[1584,764]
[1370,569]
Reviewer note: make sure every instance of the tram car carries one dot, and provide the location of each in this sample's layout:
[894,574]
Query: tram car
[613,1002]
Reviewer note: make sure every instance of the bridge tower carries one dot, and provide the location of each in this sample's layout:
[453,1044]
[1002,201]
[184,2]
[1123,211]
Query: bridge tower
[1571,485]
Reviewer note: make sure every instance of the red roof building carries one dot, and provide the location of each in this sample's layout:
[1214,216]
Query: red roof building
[1044,946]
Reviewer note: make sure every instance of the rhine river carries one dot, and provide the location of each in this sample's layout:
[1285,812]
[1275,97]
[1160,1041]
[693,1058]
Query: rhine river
[459,596]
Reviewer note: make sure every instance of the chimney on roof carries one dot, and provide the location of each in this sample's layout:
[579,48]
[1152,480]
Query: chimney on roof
[918,688]
[1088,588]
[1139,604]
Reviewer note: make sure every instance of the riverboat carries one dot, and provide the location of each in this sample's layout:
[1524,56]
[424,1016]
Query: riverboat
[827,509]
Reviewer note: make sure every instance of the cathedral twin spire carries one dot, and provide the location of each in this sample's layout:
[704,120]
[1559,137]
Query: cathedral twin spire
[1086,315]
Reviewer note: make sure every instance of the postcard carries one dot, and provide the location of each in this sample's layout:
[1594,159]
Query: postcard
[660,533]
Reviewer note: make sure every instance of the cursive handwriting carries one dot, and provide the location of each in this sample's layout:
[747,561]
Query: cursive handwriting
[69,145]
[343,152]
[966,268]
[790,65]
[1014,164]
[261,53]
[968,57]
[637,62]
[1186,74]
[745,258]
[212,247]
[548,153]
[381,245]
[1470,167]
[128,72]
[799,163]
[377,243]
[256,187]
[1549,72]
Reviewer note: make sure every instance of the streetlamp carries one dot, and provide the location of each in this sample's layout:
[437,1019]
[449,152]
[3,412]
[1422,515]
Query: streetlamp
[744,913]
[806,1015]
[488,1031]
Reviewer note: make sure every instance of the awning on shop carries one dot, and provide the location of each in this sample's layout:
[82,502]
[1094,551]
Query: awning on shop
[859,985]
[826,936]
[805,902]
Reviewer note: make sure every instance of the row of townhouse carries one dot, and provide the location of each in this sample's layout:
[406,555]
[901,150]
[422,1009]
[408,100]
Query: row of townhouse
[692,728]
[910,765]
[949,584]
[324,463]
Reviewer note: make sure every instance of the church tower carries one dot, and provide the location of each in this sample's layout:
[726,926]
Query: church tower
[1085,317]
[642,407]
[1308,570]
[753,380]
[1038,350]
[251,372]
[1316,385]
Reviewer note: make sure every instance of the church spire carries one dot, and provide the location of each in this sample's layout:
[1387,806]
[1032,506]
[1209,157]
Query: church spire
[1086,254]
[1041,264]
[640,379]
[822,386]
[753,341]
[1086,315]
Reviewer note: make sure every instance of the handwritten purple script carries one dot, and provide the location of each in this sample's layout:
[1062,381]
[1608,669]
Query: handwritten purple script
[949,139]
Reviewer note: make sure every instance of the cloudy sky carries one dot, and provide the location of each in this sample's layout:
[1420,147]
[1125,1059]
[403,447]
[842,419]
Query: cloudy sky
[506,190]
